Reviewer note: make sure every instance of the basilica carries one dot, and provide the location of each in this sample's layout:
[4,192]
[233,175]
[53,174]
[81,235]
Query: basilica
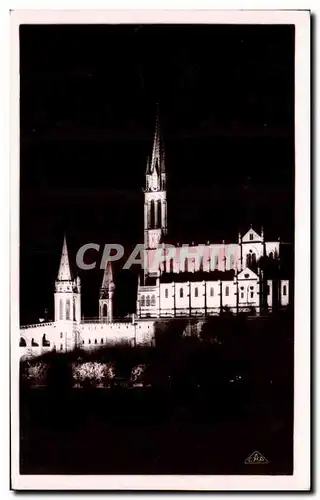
[205,279]
[188,281]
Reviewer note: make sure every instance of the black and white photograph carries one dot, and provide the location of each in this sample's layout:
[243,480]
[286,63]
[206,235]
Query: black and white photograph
[154,328]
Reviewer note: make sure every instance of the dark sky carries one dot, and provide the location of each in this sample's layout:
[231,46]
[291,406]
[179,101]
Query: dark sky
[88,101]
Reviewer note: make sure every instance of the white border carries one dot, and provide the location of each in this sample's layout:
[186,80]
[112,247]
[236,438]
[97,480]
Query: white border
[301,477]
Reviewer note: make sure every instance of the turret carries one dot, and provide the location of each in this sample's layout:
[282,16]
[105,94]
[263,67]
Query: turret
[106,295]
[67,297]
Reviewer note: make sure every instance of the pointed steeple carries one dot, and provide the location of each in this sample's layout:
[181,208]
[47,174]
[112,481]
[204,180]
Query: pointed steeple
[64,273]
[157,164]
[107,280]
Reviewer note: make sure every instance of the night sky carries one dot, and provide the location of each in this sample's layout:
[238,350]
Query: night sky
[88,102]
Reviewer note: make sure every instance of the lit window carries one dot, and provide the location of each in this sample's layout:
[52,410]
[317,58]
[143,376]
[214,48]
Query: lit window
[196,292]
[181,292]
[143,301]
[166,293]
[211,292]
[60,309]
[68,309]
[284,289]
[227,291]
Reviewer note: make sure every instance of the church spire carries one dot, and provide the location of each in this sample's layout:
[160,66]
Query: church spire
[107,280]
[64,269]
[156,167]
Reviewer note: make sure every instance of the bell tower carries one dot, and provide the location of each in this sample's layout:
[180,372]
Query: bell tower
[67,297]
[155,194]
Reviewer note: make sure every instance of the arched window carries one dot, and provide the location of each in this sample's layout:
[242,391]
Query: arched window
[211,291]
[95,341]
[166,293]
[153,300]
[171,266]
[152,214]
[142,301]
[284,289]
[45,342]
[60,309]
[148,301]
[201,264]
[68,309]
[227,291]
[186,265]
[105,310]
[89,341]
[196,292]
[181,292]
[22,342]
[159,212]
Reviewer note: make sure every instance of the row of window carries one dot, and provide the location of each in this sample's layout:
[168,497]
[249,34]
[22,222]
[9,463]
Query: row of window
[148,300]
[155,214]
[251,261]
[151,300]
